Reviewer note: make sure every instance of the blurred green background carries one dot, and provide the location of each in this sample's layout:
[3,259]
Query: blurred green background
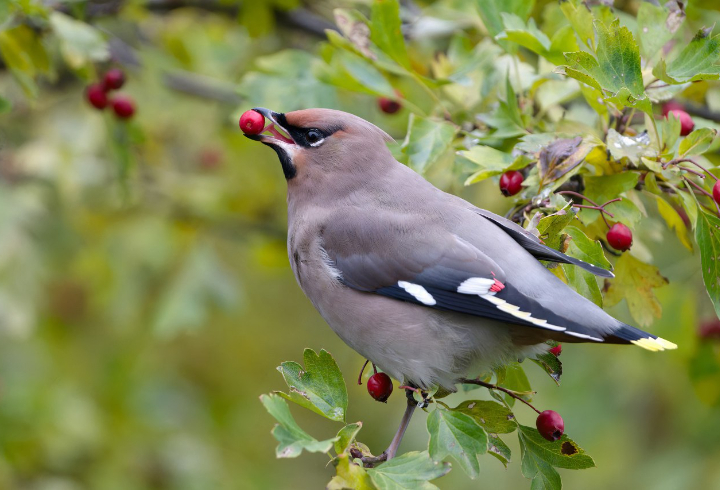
[146,297]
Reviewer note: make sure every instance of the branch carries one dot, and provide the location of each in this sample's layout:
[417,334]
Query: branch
[491,386]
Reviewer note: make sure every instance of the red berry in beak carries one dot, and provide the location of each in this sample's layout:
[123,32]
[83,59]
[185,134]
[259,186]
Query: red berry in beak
[620,237]
[123,106]
[97,96]
[114,79]
[686,122]
[550,425]
[380,386]
[556,351]
[252,122]
[511,183]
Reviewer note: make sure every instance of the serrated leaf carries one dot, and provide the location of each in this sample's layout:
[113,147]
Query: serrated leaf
[550,364]
[456,434]
[550,228]
[563,453]
[346,436]
[656,26]
[674,221]
[498,449]
[707,235]
[590,251]
[616,70]
[319,386]
[670,128]
[491,12]
[697,142]
[293,440]
[412,470]
[493,417]
[634,281]
[543,475]
[698,61]
[386,30]
[349,476]
[426,141]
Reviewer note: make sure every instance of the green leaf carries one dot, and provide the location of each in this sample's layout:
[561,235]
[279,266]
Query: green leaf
[634,281]
[349,475]
[507,118]
[550,228]
[698,61]
[530,37]
[346,436]
[426,141]
[581,19]
[607,187]
[670,128]
[631,147]
[498,449]
[563,453]
[492,416]
[543,476]
[410,471]
[583,282]
[293,440]
[516,380]
[587,250]
[319,386]
[5,105]
[458,435]
[550,364]
[80,43]
[491,13]
[491,162]
[616,71]
[697,142]
[386,30]
[656,26]
[707,235]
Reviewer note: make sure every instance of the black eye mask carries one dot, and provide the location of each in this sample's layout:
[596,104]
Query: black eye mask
[305,137]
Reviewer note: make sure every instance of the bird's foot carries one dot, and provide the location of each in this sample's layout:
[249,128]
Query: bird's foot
[411,390]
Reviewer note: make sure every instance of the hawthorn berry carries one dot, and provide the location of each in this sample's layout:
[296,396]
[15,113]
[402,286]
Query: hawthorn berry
[556,350]
[252,122]
[710,329]
[716,191]
[620,237]
[671,105]
[97,96]
[114,79]
[550,425]
[511,183]
[389,106]
[380,386]
[123,106]
[686,122]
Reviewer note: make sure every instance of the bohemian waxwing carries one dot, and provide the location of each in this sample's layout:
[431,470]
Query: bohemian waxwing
[422,283]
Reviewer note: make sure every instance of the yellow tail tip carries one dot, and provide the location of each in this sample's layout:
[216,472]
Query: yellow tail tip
[655,345]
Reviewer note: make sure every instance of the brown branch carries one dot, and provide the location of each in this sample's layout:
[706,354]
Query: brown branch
[491,386]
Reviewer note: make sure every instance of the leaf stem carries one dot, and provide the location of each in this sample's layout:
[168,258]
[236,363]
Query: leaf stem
[491,386]
[362,370]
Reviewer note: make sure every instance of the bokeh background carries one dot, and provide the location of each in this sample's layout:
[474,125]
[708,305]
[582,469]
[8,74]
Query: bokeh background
[146,297]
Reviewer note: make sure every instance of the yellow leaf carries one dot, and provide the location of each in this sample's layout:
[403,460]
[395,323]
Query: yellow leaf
[634,281]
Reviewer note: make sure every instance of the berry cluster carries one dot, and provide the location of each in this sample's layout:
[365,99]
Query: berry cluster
[98,95]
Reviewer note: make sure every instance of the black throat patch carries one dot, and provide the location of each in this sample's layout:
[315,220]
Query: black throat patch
[287,166]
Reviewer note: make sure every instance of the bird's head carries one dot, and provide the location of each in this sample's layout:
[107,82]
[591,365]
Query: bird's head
[313,144]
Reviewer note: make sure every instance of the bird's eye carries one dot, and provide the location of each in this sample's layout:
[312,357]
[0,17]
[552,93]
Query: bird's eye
[313,136]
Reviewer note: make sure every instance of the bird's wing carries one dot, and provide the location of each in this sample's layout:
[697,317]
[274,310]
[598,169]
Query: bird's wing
[409,259]
[535,247]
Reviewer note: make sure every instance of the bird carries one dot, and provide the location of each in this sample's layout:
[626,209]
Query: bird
[420,282]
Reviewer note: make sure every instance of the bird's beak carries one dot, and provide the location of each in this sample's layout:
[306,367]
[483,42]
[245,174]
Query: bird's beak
[275,137]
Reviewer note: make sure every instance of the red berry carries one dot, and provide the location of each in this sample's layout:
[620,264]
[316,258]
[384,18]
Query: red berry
[620,237]
[123,106]
[671,105]
[511,183]
[114,79]
[389,106]
[556,350]
[97,96]
[550,425]
[716,191]
[710,329]
[380,386]
[686,122]
[252,122]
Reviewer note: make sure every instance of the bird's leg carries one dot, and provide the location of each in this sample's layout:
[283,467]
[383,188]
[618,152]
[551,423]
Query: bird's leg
[390,452]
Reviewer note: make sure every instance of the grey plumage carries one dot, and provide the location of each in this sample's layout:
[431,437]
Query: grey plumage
[420,282]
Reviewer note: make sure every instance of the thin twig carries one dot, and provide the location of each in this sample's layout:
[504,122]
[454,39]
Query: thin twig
[595,206]
[688,160]
[362,371]
[491,386]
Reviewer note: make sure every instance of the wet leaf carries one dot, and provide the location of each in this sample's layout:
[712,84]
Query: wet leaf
[319,386]
[631,147]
